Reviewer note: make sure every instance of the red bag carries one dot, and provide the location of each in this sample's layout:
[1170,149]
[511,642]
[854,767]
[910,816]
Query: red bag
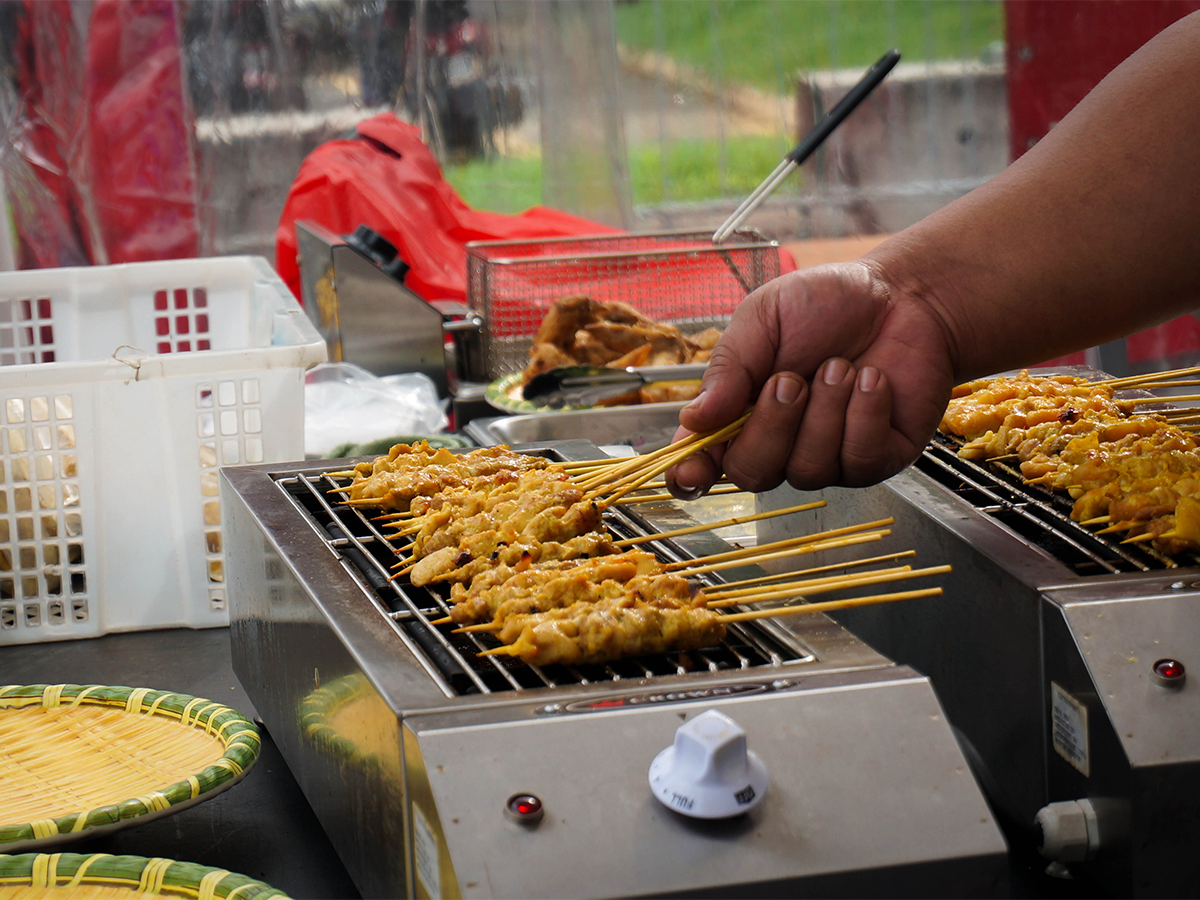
[387,179]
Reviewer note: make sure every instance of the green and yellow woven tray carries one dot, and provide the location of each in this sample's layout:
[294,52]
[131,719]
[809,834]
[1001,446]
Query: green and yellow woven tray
[79,760]
[100,876]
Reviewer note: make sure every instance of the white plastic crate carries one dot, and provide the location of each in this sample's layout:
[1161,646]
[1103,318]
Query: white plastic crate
[123,389]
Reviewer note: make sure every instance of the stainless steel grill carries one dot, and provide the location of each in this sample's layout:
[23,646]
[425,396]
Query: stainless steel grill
[408,746]
[1042,651]
[452,659]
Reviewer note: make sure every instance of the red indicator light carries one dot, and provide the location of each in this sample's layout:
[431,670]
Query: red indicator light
[524,808]
[1169,672]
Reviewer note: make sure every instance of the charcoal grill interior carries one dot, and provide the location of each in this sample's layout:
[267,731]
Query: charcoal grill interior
[453,660]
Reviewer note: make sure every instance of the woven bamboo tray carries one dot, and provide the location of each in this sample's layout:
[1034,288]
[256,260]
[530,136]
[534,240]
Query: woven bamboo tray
[80,760]
[100,876]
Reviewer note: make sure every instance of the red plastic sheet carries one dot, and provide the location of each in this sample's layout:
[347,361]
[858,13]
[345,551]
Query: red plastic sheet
[104,135]
[387,179]
[1058,50]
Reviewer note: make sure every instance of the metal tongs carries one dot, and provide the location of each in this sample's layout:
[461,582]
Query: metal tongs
[569,386]
[811,142]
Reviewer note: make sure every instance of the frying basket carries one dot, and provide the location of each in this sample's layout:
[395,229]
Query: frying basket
[676,277]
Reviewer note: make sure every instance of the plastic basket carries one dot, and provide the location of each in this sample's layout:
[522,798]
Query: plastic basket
[123,389]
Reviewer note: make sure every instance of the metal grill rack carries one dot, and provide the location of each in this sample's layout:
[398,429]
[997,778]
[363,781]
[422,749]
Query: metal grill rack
[452,659]
[679,278]
[1041,516]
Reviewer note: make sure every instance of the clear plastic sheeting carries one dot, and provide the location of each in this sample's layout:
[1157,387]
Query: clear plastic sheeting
[344,403]
[145,129]
[98,153]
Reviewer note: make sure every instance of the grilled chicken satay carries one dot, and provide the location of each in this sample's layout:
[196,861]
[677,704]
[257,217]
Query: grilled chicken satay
[513,509]
[1138,470]
[1021,402]
[542,587]
[410,471]
[608,630]
[552,524]
[1050,448]
[452,565]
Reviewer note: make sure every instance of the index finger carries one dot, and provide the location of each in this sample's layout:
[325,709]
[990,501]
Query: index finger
[741,362]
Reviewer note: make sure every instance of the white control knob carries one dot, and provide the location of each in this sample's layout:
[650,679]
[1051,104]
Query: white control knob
[708,773]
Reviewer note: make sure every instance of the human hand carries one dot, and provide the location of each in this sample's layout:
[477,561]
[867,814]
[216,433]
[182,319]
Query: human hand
[848,374]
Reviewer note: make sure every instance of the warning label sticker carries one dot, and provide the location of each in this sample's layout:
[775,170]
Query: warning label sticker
[1068,720]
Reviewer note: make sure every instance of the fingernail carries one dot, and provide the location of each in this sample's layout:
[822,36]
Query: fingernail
[684,491]
[868,378]
[787,387]
[697,401]
[835,371]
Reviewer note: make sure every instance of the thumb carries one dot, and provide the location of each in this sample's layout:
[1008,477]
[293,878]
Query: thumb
[725,390]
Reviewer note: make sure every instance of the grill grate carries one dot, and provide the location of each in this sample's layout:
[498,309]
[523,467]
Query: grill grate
[1041,516]
[452,660]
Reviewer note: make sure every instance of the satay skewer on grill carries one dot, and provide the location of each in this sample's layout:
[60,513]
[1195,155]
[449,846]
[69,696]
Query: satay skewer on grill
[644,590]
[493,589]
[574,519]
[604,632]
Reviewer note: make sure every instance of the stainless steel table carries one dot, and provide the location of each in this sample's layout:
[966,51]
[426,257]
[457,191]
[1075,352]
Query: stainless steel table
[261,827]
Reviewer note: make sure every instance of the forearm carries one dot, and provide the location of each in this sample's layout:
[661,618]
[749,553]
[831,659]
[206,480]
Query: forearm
[1092,234]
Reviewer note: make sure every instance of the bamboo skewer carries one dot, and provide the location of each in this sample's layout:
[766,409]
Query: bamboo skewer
[634,465]
[796,585]
[779,576]
[800,550]
[681,450]
[1149,377]
[1140,401]
[783,592]
[778,545]
[630,499]
[1157,385]
[1138,538]
[676,452]
[724,523]
[828,605]
[583,465]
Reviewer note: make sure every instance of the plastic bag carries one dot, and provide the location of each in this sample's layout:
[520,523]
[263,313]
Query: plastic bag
[344,403]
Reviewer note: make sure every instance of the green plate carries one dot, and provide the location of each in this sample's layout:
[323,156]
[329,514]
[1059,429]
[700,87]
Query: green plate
[505,395]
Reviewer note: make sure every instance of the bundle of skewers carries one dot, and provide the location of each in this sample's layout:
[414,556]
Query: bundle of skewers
[521,544]
[1128,470]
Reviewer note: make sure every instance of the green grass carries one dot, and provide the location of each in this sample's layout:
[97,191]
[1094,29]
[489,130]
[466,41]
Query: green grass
[758,42]
[764,42]
[694,171]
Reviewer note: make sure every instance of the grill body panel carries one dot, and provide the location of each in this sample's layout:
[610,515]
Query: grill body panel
[407,769]
[1026,608]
